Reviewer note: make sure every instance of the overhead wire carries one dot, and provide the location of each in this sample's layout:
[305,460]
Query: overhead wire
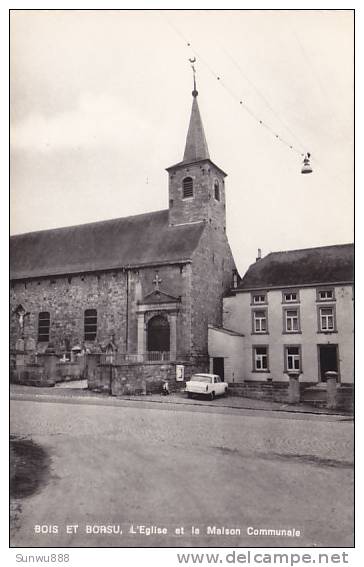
[243,105]
[267,103]
[317,80]
[240,100]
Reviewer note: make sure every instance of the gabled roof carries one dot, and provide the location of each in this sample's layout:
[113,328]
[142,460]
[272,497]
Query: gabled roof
[129,241]
[323,265]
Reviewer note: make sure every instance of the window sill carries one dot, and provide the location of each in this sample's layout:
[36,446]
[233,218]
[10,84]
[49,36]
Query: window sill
[261,371]
[327,332]
[258,333]
[295,372]
[291,332]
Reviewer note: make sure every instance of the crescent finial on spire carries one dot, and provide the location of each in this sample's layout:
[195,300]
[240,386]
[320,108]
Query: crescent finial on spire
[193,61]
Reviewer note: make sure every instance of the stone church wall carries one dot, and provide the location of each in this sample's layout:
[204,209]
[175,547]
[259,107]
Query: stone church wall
[114,295]
[176,281]
[66,299]
[212,267]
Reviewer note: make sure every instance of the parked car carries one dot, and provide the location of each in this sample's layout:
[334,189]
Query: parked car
[206,384]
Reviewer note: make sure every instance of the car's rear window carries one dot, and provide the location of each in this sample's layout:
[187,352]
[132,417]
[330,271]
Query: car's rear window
[198,378]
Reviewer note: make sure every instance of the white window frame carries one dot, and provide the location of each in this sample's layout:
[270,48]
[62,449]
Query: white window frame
[289,320]
[291,359]
[259,298]
[257,321]
[322,294]
[287,299]
[324,319]
[260,359]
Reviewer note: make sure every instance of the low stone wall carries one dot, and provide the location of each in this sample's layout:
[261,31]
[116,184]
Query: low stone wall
[31,375]
[310,393]
[139,378]
[67,371]
[116,379]
[99,377]
[267,391]
[43,369]
[316,395]
[345,397]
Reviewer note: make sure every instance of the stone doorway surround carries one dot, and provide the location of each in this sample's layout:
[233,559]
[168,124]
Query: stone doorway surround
[155,303]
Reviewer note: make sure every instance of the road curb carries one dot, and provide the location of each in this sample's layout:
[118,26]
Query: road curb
[285,410]
[109,401]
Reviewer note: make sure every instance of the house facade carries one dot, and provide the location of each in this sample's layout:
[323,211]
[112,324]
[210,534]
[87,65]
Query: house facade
[294,313]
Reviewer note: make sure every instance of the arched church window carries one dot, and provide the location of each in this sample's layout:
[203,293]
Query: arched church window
[44,323]
[90,324]
[158,334]
[217,190]
[187,184]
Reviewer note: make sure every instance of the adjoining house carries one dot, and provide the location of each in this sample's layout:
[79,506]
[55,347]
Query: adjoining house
[292,312]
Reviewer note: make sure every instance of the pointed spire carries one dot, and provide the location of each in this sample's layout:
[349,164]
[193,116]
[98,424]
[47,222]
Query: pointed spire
[196,145]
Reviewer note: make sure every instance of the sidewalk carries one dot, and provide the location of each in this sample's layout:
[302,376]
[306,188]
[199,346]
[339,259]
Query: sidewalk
[21,392]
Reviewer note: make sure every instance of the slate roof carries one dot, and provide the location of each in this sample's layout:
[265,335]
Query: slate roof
[196,149]
[135,241]
[227,331]
[196,145]
[326,264]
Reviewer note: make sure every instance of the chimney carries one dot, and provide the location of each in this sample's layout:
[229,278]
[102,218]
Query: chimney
[235,279]
[259,256]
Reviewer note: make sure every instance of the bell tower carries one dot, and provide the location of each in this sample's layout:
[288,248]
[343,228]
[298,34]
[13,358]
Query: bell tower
[196,184]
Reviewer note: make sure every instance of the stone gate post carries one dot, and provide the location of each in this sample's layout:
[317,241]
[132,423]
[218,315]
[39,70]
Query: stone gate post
[331,389]
[294,388]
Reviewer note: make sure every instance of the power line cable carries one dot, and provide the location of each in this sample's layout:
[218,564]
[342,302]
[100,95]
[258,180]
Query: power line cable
[284,124]
[218,77]
[253,115]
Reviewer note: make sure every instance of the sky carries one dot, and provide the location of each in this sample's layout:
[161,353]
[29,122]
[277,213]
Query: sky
[100,105]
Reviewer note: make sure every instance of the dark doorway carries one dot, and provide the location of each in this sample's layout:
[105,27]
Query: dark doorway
[218,367]
[158,334]
[328,360]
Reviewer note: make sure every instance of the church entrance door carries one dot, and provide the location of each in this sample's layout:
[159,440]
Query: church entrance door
[158,335]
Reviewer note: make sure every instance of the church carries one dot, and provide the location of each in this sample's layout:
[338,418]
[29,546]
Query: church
[148,285]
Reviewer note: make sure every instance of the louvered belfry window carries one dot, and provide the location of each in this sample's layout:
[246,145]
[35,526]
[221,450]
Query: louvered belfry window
[217,190]
[44,322]
[187,187]
[90,324]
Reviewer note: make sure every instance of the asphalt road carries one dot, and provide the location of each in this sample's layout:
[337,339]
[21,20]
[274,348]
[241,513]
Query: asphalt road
[135,465]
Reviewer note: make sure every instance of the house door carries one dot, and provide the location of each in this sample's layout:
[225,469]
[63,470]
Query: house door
[218,367]
[328,359]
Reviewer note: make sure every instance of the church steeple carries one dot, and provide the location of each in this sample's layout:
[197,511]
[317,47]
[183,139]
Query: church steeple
[196,184]
[196,146]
